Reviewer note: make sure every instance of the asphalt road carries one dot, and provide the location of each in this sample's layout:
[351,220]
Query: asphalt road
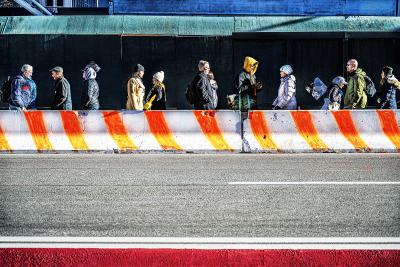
[193,196]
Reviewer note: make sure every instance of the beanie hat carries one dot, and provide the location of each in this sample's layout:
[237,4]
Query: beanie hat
[138,68]
[387,70]
[286,69]
[159,76]
[93,65]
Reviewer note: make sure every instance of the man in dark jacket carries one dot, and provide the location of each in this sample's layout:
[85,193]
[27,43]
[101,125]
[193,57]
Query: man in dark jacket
[388,91]
[62,90]
[204,97]
[23,90]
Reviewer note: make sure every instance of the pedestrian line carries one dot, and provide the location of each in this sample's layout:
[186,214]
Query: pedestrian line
[317,183]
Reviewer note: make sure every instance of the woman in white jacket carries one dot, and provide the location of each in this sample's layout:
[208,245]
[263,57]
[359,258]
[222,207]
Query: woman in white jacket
[287,90]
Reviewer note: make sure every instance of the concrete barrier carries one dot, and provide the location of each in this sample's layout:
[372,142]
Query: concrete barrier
[121,131]
[322,131]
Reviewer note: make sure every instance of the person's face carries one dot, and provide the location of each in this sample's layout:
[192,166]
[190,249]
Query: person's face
[282,74]
[383,75]
[206,68]
[341,85]
[154,81]
[28,73]
[55,75]
[141,73]
[350,67]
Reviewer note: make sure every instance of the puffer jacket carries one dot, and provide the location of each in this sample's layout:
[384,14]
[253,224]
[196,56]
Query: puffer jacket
[23,92]
[160,101]
[90,95]
[287,94]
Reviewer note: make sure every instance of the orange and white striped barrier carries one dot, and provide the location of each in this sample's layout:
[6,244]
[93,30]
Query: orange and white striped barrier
[322,131]
[56,131]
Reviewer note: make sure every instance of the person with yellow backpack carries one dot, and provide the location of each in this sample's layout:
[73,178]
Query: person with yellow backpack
[157,99]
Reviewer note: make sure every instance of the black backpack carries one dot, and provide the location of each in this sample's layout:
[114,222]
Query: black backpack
[369,87]
[5,91]
[190,93]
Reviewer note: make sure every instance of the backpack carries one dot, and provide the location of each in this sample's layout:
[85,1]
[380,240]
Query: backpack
[190,93]
[5,91]
[370,87]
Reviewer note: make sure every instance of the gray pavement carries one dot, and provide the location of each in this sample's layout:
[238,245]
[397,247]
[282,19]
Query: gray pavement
[189,195]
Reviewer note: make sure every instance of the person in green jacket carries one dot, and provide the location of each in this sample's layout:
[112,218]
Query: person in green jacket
[355,97]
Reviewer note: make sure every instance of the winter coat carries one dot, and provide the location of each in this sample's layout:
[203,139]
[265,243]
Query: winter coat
[204,96]
[355,92]
[243,87]
[135,89]
[286,93]
[388,93]
[90,95]
[23,93]
[62,95]
[160,101]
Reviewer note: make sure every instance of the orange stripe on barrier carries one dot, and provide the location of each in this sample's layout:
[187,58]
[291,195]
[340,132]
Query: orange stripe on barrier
[117,130]
[306,128]
[4,145]
[159,128]
[260,130]
[38,130]
[211,130]
[348,129]
[390,126]
[73,129]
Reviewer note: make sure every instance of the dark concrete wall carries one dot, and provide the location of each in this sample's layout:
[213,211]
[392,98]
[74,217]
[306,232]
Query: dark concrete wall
[178,57]
[270,7]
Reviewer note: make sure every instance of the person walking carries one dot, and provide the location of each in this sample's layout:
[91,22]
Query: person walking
[62,90]
[388,91]
[355,96]
[156,99]
[136,89]
[23,90]
[204,99]
[90,91]
[287,90]
[246,86]
[335,93]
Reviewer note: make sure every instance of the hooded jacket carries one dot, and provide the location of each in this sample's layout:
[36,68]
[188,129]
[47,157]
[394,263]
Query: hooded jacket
[90,91]
[286,93]
[355,92]
[244,82]
[23,92]
[135,90]
[62,95]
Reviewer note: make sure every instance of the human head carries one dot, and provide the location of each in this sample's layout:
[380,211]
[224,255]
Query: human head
[57,72]
[92,64]
[158,77]
[339,81]
[210,75]
[139,70]
[27,70]
[204,66]
[285,70]
[352,65]
[386,71]
[250,65]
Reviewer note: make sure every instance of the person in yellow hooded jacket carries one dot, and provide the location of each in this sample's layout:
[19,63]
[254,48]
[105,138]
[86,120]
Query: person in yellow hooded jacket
[246,86]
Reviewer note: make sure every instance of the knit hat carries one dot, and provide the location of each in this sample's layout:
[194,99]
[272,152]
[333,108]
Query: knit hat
[387,70]
[138,68]
[93,65]
[339,80]
[286,69]
[159,76]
